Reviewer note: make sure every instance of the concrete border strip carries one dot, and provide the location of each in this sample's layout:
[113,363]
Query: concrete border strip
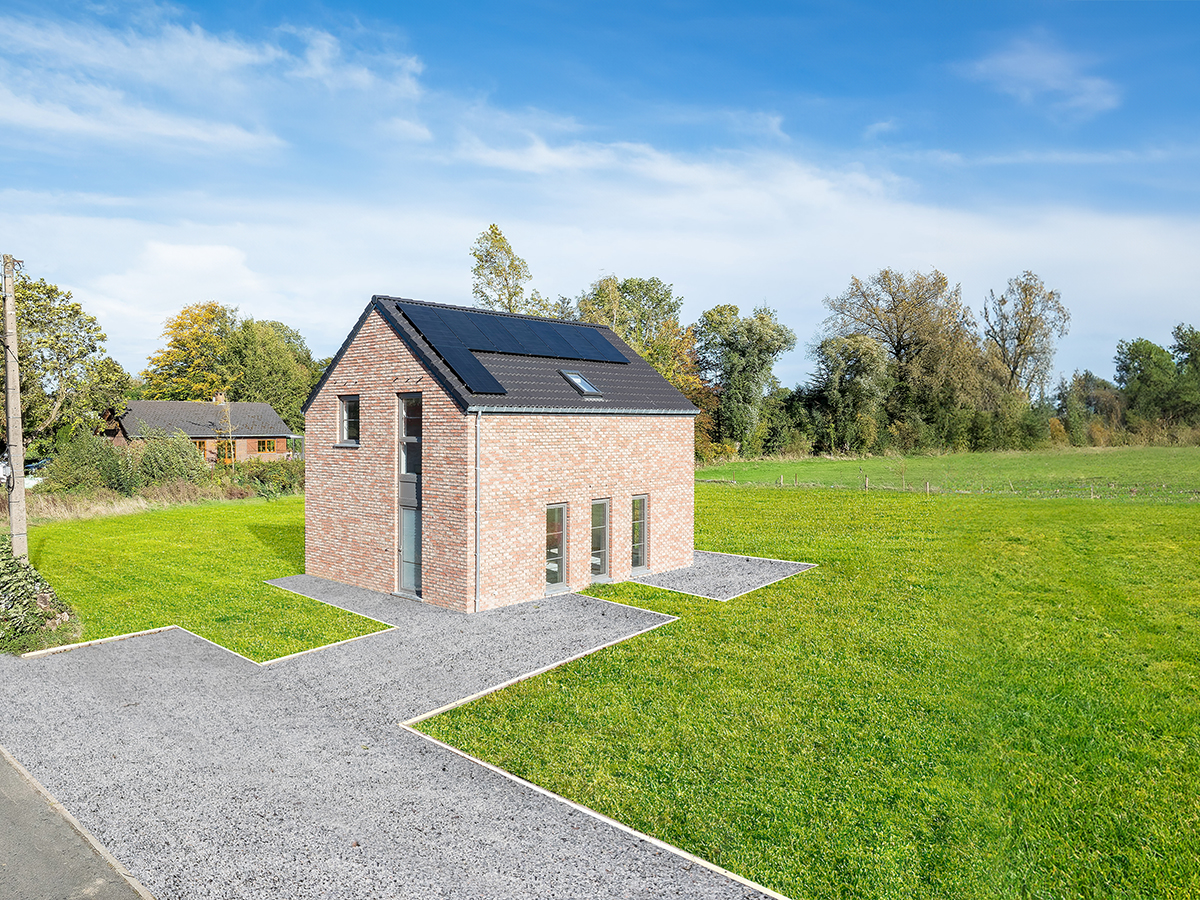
[620,826]
[96,846]
[48,651]
[454,704]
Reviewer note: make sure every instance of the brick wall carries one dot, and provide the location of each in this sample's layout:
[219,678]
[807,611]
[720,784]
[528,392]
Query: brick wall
[532,461]
[528,462]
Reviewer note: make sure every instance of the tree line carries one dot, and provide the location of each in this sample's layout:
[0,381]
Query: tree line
[902,364]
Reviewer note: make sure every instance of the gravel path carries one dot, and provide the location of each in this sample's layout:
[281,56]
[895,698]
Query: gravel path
[209,776]
[723,576]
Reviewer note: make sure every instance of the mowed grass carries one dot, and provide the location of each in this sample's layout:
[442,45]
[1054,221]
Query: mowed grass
[1167,474]
[199,567]
[970,697]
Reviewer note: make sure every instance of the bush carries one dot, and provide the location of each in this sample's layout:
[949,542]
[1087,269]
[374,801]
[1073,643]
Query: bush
[163,458]
[28,604]
[90,462]
[272,478]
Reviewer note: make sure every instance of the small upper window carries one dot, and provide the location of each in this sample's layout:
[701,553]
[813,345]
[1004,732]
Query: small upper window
[349,425]
[580,383]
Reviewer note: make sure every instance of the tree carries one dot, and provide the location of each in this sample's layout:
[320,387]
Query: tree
[929,336]
[1147,376]
[499,275]
[644,312]
[738,355]
[269,359]
[1186,352]
[1020,327]
[210,351]
[849,387]
[196,363]
[66,377]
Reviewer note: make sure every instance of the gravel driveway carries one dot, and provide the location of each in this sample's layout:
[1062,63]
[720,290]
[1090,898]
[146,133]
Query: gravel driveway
[210,776]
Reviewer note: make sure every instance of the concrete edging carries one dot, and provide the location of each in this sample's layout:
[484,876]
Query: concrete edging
[96,846]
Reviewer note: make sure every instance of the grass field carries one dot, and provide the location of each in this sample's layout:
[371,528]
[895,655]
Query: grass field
[972,696]
[199,567]
[1126,473]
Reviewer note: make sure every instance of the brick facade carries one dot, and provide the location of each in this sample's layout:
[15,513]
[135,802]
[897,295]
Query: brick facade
[527,461]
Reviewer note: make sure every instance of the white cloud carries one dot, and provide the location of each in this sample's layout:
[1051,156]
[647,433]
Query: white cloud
[1038,72]
[185,87]
[875,129]
[747,229]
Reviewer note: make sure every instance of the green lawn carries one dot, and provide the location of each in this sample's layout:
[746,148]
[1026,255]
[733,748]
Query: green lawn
[199,567]
[1141,473]
[972,696]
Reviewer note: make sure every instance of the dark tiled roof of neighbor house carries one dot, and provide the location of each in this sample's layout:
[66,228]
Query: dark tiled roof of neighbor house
[202,420]
[518,372]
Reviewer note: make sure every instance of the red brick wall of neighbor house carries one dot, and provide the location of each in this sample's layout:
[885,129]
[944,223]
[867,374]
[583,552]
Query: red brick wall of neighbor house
[533,461]
[350,494]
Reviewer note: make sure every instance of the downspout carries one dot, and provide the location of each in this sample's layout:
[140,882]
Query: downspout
[478,421]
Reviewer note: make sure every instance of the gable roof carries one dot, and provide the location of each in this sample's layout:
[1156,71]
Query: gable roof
[201,420]
[518,372]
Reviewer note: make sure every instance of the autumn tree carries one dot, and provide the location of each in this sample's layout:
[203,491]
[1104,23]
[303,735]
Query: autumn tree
[929,336]
[211,350]
[67,379]
[498,277]
[1020,328]
[738,354]
[196,363]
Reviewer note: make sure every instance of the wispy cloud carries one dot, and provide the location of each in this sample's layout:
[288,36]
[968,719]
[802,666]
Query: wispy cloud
[182,86]
[875,129]
[1038,72]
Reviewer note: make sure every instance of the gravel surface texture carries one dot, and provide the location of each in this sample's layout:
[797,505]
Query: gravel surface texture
[723,576]
[209,776]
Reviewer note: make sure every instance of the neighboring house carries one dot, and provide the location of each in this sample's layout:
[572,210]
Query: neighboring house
[222,432]
[475,459]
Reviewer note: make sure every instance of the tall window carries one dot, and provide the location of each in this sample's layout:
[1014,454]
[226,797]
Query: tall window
[410,435]
[348,432]
[638,558]
[408,493]
[599,538]
[410,550]
[556,545]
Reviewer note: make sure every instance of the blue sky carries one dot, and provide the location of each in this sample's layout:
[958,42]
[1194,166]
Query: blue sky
[291,159]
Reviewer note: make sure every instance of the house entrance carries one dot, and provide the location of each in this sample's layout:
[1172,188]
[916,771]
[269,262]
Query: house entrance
[408,494]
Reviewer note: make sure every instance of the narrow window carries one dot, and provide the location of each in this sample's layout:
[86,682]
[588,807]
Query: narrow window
[410,435]
[225,452]
[556,545]
[349,424]
[599,538]
[202,446]
[410,551]
[638,558]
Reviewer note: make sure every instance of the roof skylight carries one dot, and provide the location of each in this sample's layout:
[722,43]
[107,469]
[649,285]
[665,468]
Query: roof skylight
[580,383]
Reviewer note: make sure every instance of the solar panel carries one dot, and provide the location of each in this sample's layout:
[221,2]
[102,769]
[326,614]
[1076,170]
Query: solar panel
[452,349]
[455,333]
[552,337]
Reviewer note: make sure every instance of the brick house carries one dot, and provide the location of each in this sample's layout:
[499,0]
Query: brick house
[221,431]
[474,459]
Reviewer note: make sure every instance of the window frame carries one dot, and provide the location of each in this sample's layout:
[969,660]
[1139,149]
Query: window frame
[581,383]
[562,585]
[605,575]
[405,440]
[344,403]
[645,543]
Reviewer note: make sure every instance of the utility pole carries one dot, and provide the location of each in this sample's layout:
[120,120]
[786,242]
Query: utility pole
[12,402]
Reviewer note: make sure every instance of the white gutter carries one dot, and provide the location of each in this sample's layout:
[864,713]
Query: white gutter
[564,410]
